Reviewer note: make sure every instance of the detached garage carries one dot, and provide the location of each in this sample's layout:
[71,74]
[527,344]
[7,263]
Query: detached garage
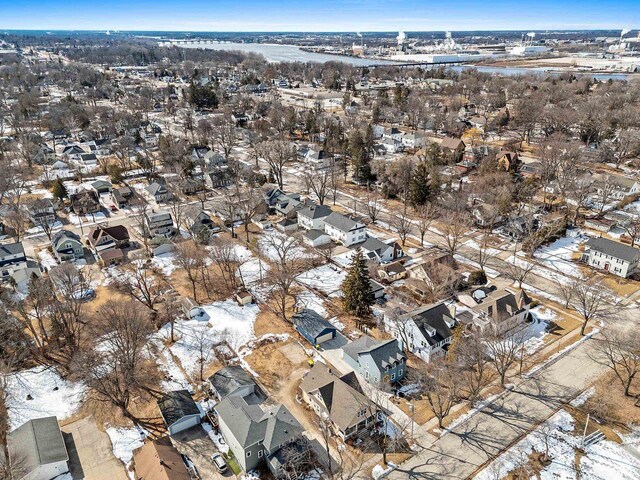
[179,411]
[314,327]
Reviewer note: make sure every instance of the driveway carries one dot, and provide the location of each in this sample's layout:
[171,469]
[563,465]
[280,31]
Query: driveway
[196,444]
[90,452]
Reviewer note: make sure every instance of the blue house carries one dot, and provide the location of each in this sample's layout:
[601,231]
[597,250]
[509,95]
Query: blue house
[313,326]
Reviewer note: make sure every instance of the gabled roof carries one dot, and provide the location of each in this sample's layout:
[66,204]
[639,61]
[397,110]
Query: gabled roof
[117,232]
[11,249]
[229,379]
[314,211]
[159,460]
[451,143]
[614,249]
[156,188]
[342,223]
[311,322]
[177,405]
[39,442]
[382,352]
[64,236]
[372,244]
[432,320]
[341,398]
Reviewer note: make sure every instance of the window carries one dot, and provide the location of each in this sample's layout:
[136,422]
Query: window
[393,376]
[400,373]
[248,453]
[259,454]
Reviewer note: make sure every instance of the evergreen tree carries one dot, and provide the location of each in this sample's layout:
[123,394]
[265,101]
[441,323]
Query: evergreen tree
[356,288]
[419,189]
[59,190]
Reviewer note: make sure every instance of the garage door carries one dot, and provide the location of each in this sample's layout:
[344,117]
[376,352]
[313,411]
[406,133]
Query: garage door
[324,338]
[183,424]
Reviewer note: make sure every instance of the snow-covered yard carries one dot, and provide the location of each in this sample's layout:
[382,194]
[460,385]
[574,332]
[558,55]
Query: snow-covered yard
[273,244]
[559,255]
[558,436]
[124,441]
[49,395]
[165,263]
[326,278]
[227,321]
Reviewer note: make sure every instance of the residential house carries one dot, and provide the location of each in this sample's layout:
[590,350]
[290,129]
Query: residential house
[452,148]
[217,178]
[12,258]
[159,224]
[500,310]
[179,411]
[72,152]
[45,155]
[85,202]
[427,330]
[611,256]
[40,449]
[313,326]
[392,271]
[339,399]
[159,460]
[414,140]
[380,252]
[316,238]
[233,380]
[378,361]
[121,196]
[67,245]
[318,159]
[508,161]
[103,238]
[529,169]
[377,289]
[344,230]
[199,222]
[102,186]
[485,215]
[615,187]
[42,212]
[159,192]
[312,217]
[392,145]
[88,160]
[256,431]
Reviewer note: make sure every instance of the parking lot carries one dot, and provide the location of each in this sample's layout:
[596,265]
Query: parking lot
[196,444]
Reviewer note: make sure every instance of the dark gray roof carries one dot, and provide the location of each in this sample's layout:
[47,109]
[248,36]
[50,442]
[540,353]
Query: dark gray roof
[342,223]
[311,322]
[63,236]
[315,211]
[383,352]
[614,249]
[11,249]
[39,442]
[432,322]
[229,379]
[177,405]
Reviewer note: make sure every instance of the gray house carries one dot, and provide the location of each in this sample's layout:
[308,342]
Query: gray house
[256,433]
[39,448]
[66,245]
[378,361]
[235,381]
[179,411]
[614,257]
[159,192]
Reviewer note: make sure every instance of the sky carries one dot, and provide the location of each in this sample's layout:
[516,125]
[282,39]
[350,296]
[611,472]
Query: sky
[318,15]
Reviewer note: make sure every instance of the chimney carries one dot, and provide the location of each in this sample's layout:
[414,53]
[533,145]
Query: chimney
[452,310]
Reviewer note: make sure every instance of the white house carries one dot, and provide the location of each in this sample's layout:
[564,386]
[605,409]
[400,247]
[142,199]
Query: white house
[312,217]
[614,257]
[380,252]
[344,230]
[159,223]
[427,330]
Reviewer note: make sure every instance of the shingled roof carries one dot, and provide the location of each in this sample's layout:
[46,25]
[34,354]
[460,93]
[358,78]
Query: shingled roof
[614,249]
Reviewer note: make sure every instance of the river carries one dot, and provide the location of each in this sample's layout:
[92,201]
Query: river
[274,53]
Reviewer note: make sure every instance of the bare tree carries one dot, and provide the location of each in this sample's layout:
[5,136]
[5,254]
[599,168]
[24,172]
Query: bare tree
[373,205]
[504,350]
[619,350]
[116,372]
[589,299]
[426,216]
[453,227]
[278,154]
[402,223]
[249,201]
[191,259]
[441,388]
[319,183]
[473,363]
[143,283]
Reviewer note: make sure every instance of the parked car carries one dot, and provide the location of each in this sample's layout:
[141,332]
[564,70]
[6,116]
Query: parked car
[219,462]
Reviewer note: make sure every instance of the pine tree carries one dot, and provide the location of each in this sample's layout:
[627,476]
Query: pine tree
[59,190]
[356,288]
[419,189]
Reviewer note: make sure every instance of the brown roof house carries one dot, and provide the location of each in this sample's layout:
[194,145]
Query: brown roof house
[159,460]
[507,160]
[108,243]
[499,309]
[453,149]
[340,399]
